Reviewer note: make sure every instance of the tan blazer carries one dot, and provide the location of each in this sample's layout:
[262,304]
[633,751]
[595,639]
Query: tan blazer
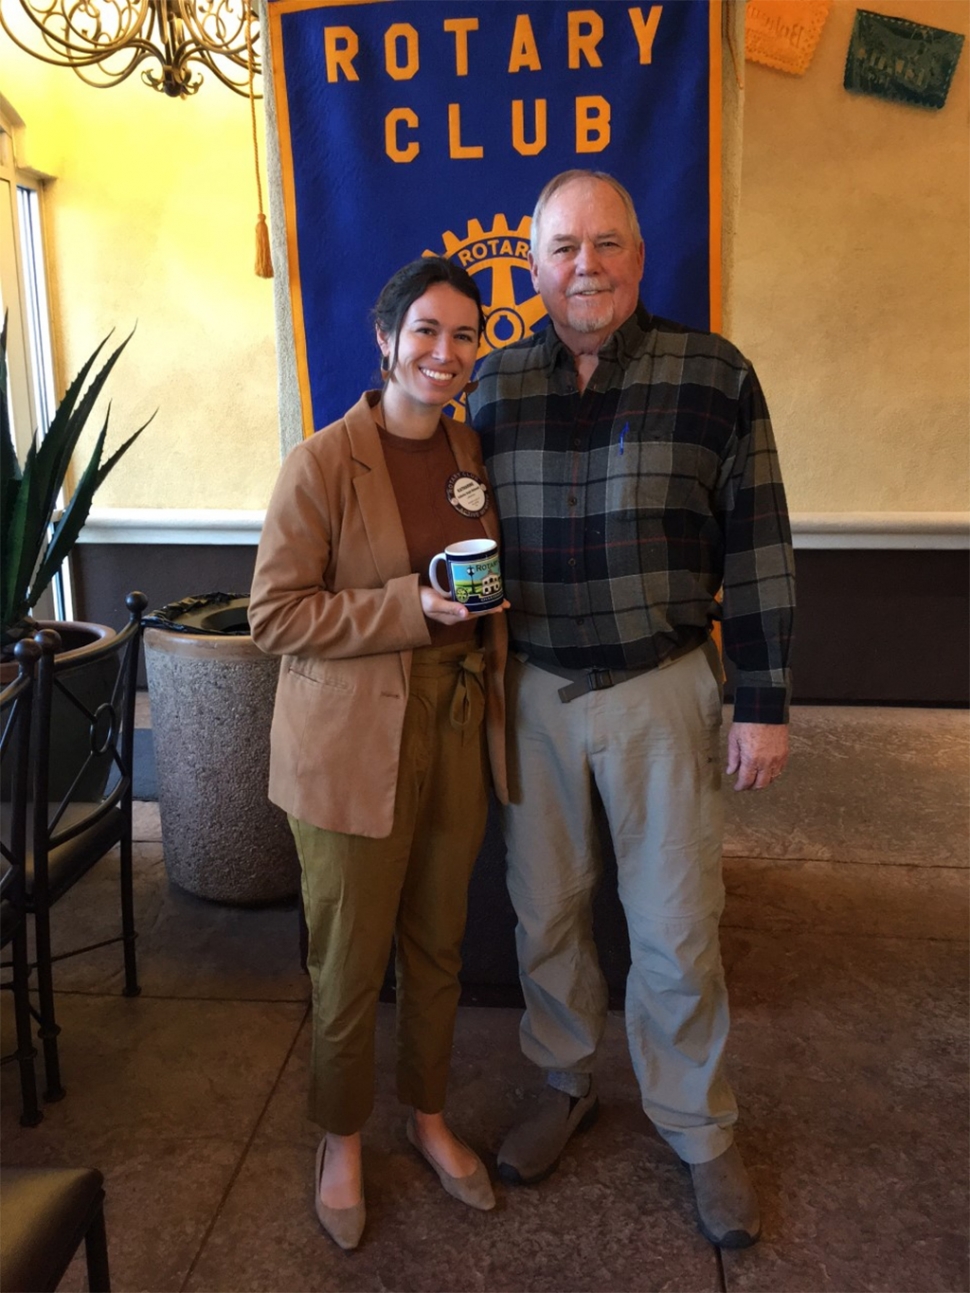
[334,595]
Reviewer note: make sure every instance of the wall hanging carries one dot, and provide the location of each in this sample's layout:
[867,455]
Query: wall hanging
[901,60]
[409,127]
[784,33]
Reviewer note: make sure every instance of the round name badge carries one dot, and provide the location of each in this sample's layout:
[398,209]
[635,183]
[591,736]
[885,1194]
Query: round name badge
[467,494]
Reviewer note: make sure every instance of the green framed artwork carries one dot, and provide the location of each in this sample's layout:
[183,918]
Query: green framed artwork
[906,62]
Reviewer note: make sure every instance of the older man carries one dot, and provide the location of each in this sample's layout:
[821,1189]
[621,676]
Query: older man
[636,475]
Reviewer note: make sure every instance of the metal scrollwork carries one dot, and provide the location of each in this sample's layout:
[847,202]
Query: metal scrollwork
[105,40]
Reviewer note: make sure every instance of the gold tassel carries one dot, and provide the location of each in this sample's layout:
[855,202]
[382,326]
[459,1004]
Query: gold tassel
[264,259]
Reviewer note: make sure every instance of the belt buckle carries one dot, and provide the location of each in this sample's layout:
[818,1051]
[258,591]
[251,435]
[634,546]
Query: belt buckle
[599,679]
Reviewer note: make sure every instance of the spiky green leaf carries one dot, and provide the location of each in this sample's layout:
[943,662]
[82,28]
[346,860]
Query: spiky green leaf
[10,473]
[76,513]
[58,445]
[23,544]
[124,449]
[69,526]
[9,464]
[31,552]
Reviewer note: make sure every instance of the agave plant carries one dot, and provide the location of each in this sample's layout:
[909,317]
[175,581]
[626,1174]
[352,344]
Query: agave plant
[34,545]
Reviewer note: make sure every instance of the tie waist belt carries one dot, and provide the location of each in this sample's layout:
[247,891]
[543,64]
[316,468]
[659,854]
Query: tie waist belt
[469,667]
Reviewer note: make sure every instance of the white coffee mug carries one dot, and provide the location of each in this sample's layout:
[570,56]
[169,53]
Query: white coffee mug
[474,574]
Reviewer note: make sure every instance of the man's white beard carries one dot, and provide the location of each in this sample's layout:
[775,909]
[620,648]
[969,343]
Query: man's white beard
[585,320]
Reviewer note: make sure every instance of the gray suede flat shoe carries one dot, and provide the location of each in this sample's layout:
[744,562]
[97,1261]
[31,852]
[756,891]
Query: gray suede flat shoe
[474,1189]
[532,1149]
[344,1225]
[727,1206]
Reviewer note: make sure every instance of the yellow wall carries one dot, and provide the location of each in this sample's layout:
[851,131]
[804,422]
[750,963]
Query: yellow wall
[850,278]
[151,221]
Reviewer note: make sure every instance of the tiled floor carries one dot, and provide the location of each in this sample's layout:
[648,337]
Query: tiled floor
[845,942]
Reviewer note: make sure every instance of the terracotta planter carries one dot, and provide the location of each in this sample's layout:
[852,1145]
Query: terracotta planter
[77,637]
[70,730]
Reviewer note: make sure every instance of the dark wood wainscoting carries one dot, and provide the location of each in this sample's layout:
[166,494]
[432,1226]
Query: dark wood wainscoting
[882,627]
[885,627]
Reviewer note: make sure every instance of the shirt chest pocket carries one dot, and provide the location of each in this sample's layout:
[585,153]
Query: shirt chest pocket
[639,479]
[651,477]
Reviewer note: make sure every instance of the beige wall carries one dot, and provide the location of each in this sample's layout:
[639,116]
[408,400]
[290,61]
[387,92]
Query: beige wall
[850,278]
[151,221]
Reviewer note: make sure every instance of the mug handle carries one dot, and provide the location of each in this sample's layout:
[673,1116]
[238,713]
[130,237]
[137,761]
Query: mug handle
[445,592]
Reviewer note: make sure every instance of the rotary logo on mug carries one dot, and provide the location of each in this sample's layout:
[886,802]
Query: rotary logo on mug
[474,574]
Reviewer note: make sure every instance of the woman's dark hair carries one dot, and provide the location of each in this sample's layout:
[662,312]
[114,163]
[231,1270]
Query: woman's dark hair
[411,282]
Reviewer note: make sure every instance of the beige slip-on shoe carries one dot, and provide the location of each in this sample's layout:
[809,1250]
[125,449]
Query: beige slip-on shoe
[474,1189]
[344,1225]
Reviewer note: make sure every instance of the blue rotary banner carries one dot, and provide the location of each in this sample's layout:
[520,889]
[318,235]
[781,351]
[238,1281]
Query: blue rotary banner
[421,126]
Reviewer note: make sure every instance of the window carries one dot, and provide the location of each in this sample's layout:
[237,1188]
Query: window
[24,301]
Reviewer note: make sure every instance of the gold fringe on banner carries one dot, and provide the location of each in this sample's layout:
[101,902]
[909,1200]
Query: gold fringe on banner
[264,258]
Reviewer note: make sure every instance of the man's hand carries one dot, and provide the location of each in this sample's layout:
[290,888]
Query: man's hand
[757,752]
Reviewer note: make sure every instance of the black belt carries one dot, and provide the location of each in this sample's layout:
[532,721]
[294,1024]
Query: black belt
[584,681]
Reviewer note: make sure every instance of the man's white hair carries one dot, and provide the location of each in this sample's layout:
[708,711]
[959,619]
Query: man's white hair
[566,177]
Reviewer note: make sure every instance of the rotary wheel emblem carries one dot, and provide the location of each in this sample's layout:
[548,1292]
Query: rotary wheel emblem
[497,259]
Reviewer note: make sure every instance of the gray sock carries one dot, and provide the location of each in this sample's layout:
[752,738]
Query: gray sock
[573,1084]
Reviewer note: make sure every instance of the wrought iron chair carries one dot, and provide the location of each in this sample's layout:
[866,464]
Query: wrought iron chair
[82,802]
[15,710]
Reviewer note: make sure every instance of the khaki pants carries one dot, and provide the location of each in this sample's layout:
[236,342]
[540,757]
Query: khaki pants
[360,894]
[650,746]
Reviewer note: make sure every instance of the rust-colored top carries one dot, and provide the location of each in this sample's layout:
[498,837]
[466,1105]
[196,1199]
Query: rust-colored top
[420,471]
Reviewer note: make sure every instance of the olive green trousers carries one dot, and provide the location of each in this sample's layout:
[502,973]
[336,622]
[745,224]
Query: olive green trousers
[411,888]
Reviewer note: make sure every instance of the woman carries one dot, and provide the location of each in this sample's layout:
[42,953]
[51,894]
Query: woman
[379,728]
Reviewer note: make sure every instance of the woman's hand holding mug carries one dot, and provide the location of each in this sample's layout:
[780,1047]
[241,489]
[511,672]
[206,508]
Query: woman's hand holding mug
[474,575]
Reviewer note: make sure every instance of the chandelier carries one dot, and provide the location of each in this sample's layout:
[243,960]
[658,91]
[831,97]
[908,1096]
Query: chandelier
[105,40]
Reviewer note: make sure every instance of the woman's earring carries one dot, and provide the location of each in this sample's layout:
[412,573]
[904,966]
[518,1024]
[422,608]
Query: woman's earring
[385,367]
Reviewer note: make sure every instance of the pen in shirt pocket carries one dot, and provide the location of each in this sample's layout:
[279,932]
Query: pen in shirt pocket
[626,427]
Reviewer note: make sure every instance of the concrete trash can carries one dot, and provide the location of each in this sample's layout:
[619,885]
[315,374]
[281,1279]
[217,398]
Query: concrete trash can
[212,692]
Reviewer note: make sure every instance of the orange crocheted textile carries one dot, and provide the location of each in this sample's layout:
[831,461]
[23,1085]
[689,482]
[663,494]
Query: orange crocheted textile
[784,33]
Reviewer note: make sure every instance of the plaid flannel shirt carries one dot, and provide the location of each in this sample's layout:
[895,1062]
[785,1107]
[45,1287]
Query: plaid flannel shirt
[627,507]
